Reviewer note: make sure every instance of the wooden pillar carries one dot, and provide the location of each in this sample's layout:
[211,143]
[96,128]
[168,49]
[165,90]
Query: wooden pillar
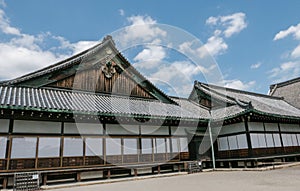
[245,164]
[108,174]
[45,177]
[135,172]
[4,184]
[78,177]
[158,169]
[250,153]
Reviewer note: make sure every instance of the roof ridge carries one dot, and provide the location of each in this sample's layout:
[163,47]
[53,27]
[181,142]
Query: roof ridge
[239,91]
[60,64]
[288,82]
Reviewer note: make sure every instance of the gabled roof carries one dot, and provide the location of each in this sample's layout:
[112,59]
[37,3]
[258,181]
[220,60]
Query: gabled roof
[43,77]
[243,101]
[289,90]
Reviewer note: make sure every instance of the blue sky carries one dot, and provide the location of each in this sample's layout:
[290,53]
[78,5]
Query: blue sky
[254,43]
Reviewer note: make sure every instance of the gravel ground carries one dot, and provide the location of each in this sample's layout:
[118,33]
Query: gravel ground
[287,179]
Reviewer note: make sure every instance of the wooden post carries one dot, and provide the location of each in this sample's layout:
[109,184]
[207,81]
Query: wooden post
[108,174]
[78,177]
[179,168]
[135,172]
[4,184]
[158,169]
[45,177]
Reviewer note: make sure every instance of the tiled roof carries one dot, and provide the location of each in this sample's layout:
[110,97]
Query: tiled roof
[289,90]
[68,101]
[191,106]
[247,100]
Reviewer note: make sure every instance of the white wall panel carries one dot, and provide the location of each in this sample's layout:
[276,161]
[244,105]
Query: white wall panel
[23,147]
[277,141]
[83,128]
[4,125]
[233,128]
[254,140]
[232,143]
[146,146]
[154,130]
[223,143]
[160,146]
[289,127]
[175,145]
[182,130]
[271,127]
[242,141]
[269,140]
[49,146]
[22,126]
[93,146]
[113,146]
[183,144]
[73,147]
[3,142]
[256,126]
[130,146]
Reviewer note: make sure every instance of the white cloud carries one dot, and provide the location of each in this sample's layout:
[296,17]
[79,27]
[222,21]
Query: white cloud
[179,76]
[296,52]
[212,21]
[226,27]
[141,29]
[5,26]
[255,66]
[238,84]
[75,47]
[17,61]
[285,71]
[121,12]
[215,45]
[292,30]
[233,23]
[22,53]
[150,57]
[291,67]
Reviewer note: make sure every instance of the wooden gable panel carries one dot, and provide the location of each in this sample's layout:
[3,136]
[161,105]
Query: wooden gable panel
[94,80]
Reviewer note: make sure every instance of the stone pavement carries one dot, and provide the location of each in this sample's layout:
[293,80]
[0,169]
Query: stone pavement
[287,179]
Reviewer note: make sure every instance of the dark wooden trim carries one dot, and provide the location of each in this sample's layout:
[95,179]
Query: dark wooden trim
[61,151]
[122,149]
[9,143]
[84,149]
[248,136]
[37,152]
[104,150]
[11,126]
[280,135]
[9,152]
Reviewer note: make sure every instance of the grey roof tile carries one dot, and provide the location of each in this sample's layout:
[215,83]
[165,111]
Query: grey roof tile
[63,100]
[263,103]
